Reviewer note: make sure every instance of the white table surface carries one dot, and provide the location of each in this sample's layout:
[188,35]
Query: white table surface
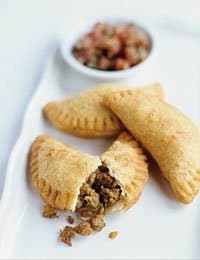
[28,32]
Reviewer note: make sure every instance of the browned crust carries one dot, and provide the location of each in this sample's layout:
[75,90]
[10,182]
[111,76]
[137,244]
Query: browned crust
[170,137]
[58,171]
[85,115]
[128,165]
[87,126]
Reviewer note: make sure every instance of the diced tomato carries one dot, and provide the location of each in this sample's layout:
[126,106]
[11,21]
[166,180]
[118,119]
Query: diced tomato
[99,27]
[104,63]
[113,46]
[142,40]
[130,53]
[121,64]
[87,41]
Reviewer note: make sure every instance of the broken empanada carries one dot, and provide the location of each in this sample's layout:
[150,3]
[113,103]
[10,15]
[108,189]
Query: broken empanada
[84,115]
[170,137]
[70,180]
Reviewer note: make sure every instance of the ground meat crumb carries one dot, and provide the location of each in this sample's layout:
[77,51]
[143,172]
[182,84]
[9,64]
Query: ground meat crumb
[97,223]
[70,219]
[113,234]
[66,235]
[88,202]
[49,212]
[110,196]
[103,168]
[103,179]
[88,197]
[86,214]
[83,229]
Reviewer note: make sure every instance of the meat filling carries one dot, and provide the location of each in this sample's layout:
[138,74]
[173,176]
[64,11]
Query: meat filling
[66,235]
[99,192]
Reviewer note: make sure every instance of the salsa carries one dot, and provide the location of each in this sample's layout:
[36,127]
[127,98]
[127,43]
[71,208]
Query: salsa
[108,47]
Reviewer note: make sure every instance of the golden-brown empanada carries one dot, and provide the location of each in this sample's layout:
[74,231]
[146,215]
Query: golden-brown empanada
[170,137]
[84,115]
[70,180]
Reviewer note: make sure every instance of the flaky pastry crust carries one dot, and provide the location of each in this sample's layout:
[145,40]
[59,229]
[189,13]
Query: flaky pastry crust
[127,163]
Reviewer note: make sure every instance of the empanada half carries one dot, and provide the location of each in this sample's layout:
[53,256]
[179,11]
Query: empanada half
[58,171]
[170,137]
[70,180]
[127,164]
[84,114]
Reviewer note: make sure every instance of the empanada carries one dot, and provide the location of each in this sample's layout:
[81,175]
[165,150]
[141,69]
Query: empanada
[70,180]
[85,116]
[170,137]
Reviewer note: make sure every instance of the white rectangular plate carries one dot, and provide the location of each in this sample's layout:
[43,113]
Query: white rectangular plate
[158,227]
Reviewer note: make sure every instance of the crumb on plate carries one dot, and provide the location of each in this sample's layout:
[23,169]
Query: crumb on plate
[70,219]
[83,229]
[49,212]
[66,235]
[113,234]
[97,223]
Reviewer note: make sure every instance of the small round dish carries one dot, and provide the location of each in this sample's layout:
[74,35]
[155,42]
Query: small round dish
[70,37]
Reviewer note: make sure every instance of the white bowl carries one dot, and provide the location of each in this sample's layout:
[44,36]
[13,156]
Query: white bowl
[72,34]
